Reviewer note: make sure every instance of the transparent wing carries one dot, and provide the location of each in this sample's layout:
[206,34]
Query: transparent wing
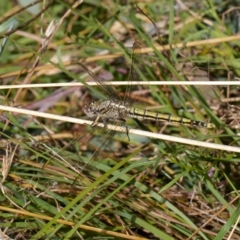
[135,69]
[106,136]
[104,145]
[107,89]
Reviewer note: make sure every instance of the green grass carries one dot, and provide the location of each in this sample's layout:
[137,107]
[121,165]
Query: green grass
[54,185]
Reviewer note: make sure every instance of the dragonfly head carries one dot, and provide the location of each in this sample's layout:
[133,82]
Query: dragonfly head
[90,109]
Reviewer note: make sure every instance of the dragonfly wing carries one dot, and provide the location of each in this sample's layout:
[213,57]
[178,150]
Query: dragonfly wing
[135,69]
[103,144]
[106,87]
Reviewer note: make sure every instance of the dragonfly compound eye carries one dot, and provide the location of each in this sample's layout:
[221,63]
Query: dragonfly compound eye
[88,111]
[93,106]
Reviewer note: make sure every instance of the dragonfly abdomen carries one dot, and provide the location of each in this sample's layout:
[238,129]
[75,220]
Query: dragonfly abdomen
[144,114]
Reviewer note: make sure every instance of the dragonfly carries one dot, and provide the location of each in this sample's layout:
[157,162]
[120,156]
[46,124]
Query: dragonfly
[118,109]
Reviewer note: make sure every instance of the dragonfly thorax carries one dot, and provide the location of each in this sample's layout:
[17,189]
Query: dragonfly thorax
[106,110]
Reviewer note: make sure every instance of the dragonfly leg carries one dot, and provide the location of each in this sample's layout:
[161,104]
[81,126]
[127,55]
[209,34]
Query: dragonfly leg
[123,121]
[95,121]
[127,131]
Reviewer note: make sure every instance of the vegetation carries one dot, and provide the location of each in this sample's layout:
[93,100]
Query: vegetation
[168,181]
